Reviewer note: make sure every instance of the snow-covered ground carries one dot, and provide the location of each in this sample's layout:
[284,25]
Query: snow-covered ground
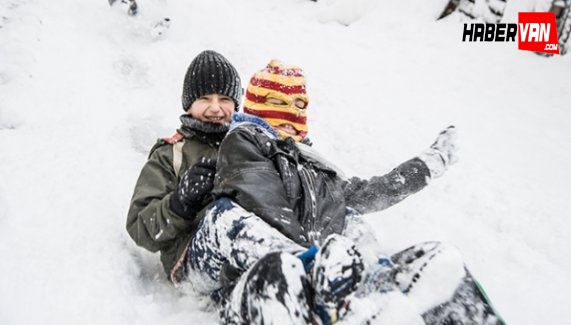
[85,91]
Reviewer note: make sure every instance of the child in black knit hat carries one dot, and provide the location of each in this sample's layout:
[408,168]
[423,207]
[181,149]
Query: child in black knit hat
[175,182]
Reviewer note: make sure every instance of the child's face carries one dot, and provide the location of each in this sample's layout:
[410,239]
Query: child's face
[288,105]
[212,108]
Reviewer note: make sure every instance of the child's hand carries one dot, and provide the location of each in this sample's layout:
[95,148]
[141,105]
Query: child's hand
[442,153]
[195,183]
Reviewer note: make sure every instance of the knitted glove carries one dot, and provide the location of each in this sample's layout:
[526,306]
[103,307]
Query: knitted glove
[194,185]
[442,153]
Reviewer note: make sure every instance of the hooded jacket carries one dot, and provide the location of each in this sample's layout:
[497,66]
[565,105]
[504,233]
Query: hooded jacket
[296,191]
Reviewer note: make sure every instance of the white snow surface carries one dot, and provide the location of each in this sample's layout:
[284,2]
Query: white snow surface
[85,92]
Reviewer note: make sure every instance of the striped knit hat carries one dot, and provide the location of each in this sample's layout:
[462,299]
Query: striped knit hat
[211,73]
[272,94]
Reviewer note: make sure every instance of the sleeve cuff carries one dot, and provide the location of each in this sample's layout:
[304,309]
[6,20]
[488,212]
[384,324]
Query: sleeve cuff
[177,207]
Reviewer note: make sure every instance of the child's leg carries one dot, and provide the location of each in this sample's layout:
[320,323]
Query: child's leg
[433,275]
[230,235]
[275,290]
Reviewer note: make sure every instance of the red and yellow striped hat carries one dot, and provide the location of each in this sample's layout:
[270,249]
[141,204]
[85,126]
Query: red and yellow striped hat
[277,94]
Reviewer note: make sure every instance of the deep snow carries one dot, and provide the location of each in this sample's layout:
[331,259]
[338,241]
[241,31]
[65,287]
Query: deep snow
[85,92]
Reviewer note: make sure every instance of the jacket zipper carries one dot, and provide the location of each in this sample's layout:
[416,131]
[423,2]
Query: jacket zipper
[310,204]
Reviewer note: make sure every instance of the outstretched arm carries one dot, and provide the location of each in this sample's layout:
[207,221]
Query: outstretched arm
[381,192]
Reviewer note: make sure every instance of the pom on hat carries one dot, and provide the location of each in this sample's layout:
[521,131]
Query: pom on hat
[277,94]
[211,73]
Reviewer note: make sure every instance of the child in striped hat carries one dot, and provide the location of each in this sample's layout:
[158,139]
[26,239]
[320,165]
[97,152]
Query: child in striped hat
[277,94]
[285,243]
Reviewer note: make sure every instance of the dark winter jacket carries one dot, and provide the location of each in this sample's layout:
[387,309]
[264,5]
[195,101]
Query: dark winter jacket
[151,222]
[298,193]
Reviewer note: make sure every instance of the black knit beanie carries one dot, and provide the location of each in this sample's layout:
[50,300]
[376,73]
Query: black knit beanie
[211,73]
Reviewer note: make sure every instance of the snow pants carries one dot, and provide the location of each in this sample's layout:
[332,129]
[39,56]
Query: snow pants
[229,240]
[256,275]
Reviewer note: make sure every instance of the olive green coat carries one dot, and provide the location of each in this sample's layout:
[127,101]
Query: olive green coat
[150,221]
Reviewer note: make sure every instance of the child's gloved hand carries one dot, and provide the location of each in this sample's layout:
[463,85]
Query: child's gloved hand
[442,153]
[446,144]
[195,183]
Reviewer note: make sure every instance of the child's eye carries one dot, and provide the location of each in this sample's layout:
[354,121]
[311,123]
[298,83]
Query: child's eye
[300,103]
[275,101]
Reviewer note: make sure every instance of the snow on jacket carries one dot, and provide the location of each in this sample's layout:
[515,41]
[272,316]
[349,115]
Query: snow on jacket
[298,193]
[150,221]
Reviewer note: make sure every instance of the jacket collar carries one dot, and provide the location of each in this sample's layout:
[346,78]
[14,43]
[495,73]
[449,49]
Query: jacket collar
[210,133]
[239,119]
